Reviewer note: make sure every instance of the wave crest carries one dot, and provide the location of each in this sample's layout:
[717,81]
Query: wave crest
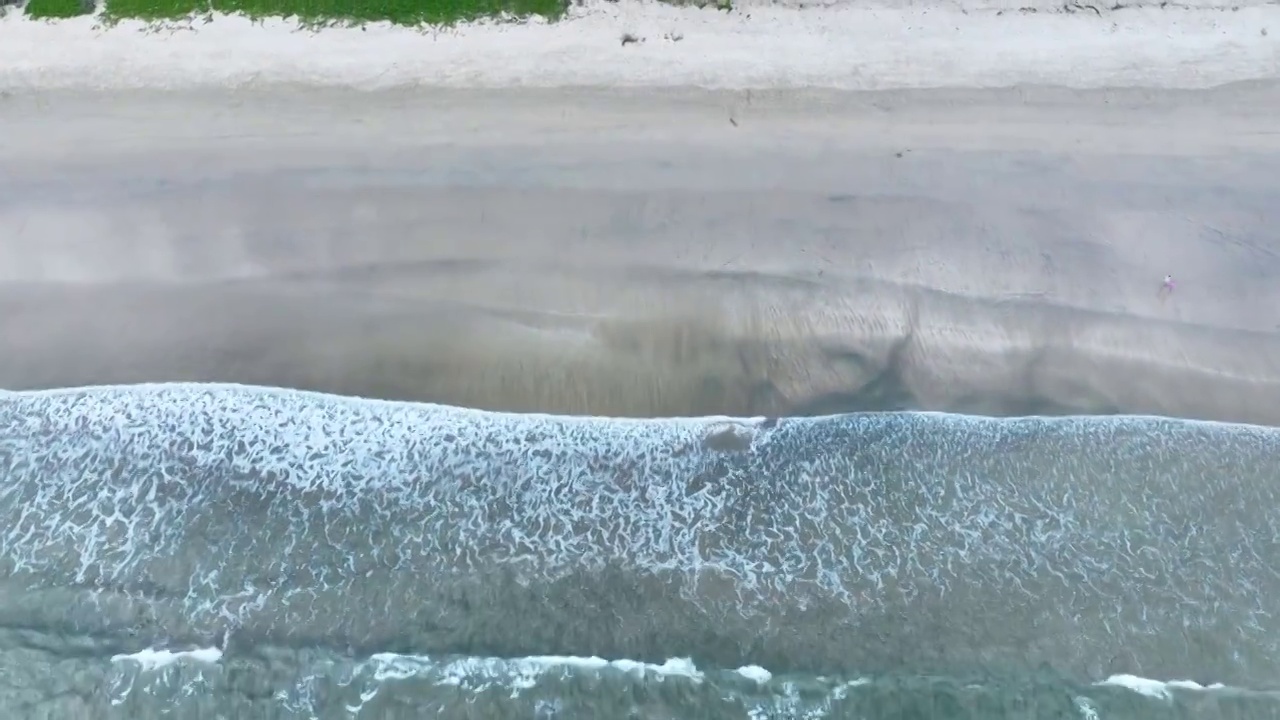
[852,543]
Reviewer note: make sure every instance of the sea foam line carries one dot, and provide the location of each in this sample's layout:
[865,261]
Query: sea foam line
[701,421]
[153,659]
[474,675]
[524,671]
[1160,689]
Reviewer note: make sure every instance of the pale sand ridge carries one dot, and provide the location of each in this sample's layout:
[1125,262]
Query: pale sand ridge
[848,45]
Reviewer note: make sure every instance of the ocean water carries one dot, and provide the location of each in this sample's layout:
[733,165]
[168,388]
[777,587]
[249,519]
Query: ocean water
[215,551]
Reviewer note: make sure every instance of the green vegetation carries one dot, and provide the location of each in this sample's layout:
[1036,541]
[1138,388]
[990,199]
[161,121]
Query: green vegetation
[52,9]
[402,12]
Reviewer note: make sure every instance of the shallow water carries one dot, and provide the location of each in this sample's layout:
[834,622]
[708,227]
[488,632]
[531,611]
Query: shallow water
[276,683]
[333,557]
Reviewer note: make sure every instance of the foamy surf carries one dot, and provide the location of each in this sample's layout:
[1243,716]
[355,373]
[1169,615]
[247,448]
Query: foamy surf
[799,566]
[1157,688]
[551,686]
[152,659]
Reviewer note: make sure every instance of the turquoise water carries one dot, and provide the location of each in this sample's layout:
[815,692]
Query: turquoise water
[333,557]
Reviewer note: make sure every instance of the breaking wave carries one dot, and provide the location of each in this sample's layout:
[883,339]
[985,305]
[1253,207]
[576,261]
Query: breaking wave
[287,527]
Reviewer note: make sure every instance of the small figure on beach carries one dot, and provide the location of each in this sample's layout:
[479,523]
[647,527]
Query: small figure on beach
[1166,288]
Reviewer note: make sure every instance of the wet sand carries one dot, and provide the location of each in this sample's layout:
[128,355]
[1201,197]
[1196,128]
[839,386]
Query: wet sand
[653,252]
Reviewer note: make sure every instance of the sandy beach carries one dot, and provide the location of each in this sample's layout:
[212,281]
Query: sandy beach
[839,44]
[786,209]
[738,248]
[655,252]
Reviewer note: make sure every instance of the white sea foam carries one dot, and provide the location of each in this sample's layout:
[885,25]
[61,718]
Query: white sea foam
[1086,708]
[787,700]
[150,660]
[482,672]
[762,695]
[756,673]
[460,671]
[508,675]
[1156,688]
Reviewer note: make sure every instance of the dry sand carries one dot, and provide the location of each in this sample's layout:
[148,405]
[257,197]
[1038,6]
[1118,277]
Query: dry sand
[847,44]
[653,252]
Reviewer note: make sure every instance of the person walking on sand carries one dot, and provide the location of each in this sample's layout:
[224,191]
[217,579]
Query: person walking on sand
[1166,288]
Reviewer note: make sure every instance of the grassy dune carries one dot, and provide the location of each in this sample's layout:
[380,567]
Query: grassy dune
[403,12]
